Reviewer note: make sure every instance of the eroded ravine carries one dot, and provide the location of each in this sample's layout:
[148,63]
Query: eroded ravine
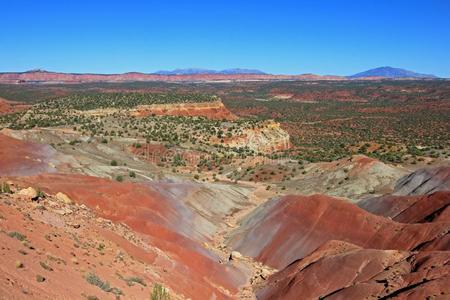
[258,272]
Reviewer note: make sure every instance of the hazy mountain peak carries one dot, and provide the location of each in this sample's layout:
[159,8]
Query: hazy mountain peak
[390,72]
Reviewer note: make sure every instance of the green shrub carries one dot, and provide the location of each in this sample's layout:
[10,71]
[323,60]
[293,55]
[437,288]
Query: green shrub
[159,292]
[17,235]
[114,163]
[5,188]
[104,285]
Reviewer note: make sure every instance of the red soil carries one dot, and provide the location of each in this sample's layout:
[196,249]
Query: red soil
[193,271]
[20,158]
[292,227]
[70,253]
[339,270]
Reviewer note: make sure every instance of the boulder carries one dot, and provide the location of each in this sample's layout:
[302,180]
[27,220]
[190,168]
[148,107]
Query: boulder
[64,198]
[235,255]
[30,193]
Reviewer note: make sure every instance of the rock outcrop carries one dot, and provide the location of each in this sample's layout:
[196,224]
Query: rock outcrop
[268,137]
[211,110]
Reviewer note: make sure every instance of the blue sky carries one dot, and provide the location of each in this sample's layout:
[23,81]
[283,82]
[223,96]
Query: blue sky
[293,37]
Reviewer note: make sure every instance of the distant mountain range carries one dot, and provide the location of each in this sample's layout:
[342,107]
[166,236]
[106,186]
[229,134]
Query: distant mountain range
[200,75]
[193,71]
[390,72]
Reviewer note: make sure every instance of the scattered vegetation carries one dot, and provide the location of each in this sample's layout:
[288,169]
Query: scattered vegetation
[131,281]
[104,285]
[394,121]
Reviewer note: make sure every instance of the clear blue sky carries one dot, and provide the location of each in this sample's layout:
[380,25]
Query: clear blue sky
[323,37]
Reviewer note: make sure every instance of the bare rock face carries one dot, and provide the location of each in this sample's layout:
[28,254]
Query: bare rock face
[286,229]
[424,181]
[340,270]
[411,209]
[267,138]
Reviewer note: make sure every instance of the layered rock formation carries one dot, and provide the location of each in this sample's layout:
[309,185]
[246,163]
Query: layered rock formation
[268,137]
[211,110]
[53,77]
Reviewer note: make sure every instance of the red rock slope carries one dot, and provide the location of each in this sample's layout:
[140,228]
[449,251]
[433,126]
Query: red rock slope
[340,270]
[284,230]
[194,271]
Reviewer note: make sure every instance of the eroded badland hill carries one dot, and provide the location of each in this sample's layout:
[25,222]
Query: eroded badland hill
[247,190]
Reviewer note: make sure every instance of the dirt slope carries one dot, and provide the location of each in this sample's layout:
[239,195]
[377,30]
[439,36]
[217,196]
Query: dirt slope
[166,225]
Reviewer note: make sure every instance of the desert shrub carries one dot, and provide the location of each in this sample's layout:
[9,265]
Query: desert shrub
[159,292]
[113,163]
[5,188]
[119,178]
[104,285]
[17,235]
[132,280]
